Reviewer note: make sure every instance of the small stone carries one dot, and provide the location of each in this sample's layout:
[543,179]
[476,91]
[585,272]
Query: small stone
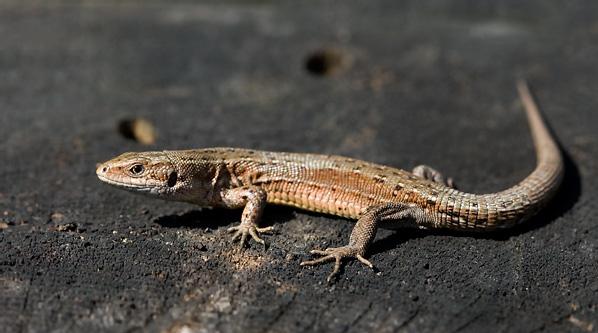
[138,129]
[57,217]
[67,227]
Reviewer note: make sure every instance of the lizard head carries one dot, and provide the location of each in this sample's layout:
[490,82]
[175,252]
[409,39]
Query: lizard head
[148,172]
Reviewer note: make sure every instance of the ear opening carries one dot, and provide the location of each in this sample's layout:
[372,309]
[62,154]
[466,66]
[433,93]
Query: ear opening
[172,178]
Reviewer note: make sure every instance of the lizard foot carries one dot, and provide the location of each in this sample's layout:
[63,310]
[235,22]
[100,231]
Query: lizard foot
[243,230]
[336,254]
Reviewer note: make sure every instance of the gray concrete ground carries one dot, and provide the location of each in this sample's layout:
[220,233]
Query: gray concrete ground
[399,83]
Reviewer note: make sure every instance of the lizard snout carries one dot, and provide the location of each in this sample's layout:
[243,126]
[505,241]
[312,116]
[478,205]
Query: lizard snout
[101,169]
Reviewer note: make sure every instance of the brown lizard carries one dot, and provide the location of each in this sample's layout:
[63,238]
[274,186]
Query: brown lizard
[375,195]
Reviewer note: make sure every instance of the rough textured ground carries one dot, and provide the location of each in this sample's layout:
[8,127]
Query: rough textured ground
[396,84]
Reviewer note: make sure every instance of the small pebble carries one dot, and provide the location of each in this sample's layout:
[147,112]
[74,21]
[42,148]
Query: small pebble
[57,217]
[67,227]
[138,129]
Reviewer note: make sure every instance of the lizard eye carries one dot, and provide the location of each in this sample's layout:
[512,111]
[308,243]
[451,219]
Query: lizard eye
[137,169]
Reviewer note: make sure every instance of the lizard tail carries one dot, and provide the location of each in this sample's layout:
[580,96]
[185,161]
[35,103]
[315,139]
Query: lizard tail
[518,203]
[543,182]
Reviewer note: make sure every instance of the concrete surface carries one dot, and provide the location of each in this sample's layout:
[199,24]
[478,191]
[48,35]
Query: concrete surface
[399,84]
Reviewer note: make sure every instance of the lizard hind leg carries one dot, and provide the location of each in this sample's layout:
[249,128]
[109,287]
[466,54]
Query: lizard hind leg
[364,232]
[429,173]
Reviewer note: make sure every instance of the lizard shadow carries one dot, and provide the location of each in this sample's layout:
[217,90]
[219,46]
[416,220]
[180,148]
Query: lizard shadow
[567,195]
[208,218]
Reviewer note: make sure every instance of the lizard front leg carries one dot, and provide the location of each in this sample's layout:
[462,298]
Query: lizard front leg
[253,201]
[364,232]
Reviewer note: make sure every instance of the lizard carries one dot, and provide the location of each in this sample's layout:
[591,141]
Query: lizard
[377,196]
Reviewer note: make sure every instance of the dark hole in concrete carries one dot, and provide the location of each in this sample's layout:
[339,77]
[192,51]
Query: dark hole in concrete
[138,129]
[324,62]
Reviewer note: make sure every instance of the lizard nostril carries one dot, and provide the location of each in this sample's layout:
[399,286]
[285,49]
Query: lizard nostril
[104,169]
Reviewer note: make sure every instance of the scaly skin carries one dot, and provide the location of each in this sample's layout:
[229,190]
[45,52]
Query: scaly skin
[376,195]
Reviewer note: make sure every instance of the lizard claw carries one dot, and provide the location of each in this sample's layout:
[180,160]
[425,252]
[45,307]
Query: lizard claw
[337,254]
[243,230]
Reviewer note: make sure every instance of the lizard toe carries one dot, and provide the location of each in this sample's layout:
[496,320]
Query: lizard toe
[242,232]
[337,254]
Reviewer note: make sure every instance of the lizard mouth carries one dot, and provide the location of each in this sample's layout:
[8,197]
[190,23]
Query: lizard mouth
[122,184]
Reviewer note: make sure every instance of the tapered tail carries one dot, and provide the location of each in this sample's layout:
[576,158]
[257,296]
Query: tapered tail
[518,203]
